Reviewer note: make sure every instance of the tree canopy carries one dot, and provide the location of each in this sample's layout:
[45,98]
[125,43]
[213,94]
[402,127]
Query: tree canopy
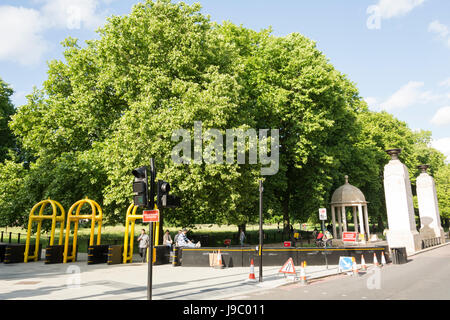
[114,103]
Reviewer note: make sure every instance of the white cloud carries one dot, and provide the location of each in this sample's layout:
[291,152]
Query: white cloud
[441,30]
[445,83]
[441,117]
[408,95]
[72,14]
[394,8]
[22,29]
[442,145]
[438,28]
[371,101]
[21,34]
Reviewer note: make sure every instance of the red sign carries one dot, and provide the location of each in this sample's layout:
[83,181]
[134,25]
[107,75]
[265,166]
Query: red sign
[150,216]
[287,244]
[349,236]
[227,242]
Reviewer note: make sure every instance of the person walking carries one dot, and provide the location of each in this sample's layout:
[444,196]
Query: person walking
[144,241]
[242,237]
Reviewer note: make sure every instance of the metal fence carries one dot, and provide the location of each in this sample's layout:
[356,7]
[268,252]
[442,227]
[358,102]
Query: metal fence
[9,237]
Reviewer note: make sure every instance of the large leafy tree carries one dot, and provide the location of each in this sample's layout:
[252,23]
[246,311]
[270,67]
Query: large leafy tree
[7,141]
[114,103]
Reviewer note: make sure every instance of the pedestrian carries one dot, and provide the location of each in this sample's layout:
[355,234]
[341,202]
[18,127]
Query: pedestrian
[175,239]
[143,244]
[167,239]
[242,237]
[183,241]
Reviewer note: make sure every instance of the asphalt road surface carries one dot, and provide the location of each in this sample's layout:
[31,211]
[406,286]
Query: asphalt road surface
[425,276]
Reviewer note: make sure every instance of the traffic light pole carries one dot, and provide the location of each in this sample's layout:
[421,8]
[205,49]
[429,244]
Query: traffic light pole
[260,231]
[150,251]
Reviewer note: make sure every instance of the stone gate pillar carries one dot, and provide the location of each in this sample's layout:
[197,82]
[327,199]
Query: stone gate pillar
[428,206]
[399,204]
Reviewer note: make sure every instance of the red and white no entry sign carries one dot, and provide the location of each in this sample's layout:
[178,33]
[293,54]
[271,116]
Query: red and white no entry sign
[150,215]
[323,214]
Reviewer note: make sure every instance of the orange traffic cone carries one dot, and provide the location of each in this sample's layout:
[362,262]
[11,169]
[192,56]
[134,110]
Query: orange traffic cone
[363,263]
[252,271]
[303,273]
[219,264]
[383,259]
[375,260]
[354,267]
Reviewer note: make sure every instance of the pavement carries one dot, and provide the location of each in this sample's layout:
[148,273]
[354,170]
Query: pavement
[424,277]
[36,280]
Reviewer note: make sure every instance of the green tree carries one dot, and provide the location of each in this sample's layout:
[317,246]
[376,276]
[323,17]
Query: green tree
[6,111]
[442,179]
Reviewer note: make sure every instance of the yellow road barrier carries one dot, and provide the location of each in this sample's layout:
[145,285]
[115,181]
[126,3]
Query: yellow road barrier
[39,219]
[94,217]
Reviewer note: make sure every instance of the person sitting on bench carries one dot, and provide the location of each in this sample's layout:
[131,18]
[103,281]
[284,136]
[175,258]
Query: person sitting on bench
[183,241]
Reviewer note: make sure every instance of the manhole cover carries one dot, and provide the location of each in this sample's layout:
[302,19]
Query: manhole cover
[28,282]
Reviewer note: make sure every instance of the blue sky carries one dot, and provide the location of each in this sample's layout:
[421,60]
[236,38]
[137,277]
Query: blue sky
[396,51]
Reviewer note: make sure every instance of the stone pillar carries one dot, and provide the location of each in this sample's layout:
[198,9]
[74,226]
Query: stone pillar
[333,219]
[366,217]
[340,223]
[344,218]
[355,219]
[361,219]
[399,205]
[428,206]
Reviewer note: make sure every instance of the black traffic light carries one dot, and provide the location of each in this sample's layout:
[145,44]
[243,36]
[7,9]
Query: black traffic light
[164,199]
[140,187]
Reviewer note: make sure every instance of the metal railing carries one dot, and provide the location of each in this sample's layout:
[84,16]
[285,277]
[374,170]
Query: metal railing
[427,243]
[8,235]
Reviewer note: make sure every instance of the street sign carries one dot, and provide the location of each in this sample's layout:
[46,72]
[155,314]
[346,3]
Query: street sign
[150,215]
[345,264]
[323,214]
[288,267]
[349,236]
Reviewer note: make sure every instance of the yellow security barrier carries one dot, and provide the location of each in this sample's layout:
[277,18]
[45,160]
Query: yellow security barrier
[129,234]
[39,219]
[94,217]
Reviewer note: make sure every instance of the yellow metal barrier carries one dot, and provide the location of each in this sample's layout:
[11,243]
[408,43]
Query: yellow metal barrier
[94,217]
[40,218]
[129,234]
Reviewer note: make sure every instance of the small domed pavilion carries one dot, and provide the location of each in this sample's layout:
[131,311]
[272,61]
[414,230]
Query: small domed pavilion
[349,196]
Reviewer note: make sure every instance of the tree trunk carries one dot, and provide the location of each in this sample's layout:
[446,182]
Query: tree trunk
[380,224]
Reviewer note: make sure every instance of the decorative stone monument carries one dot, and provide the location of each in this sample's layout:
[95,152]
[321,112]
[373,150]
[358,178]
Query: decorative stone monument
[428,206]
[399,204]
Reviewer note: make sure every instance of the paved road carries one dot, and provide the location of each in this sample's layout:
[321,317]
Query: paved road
[425,276]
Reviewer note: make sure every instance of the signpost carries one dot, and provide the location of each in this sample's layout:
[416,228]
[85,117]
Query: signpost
[260,230]
[323,217]
[151,205]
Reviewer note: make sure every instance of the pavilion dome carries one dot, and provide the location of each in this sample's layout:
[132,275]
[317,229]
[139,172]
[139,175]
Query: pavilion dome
[348,194]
